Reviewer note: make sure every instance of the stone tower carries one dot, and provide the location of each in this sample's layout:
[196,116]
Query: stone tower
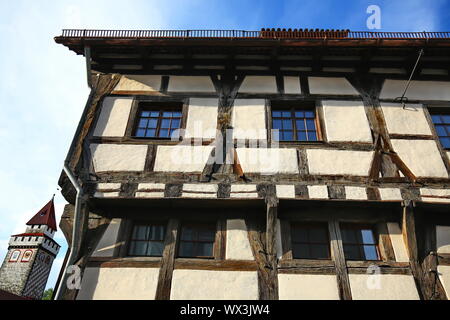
[27,264]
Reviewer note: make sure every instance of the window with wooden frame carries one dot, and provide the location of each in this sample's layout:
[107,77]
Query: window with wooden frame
[197,240]
[158,120]
[359,242]
[310,240]
[441,121]
[147,239]
[294,121]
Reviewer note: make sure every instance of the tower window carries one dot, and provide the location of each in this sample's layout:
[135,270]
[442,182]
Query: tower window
[147,240]
[158,121]
[197,240]
[14,256]
[359,242]
[441,122]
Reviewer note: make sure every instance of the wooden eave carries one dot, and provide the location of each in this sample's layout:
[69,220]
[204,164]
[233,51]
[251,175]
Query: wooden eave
[240,55]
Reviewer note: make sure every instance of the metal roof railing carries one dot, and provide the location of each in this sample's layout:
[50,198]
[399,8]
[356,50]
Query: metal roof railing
[262,34]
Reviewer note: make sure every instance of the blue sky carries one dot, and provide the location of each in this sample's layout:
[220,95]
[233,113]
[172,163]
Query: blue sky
[43,87]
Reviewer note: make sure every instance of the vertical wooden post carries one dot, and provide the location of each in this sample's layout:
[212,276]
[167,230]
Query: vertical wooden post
[337,251]
[263,247]
[271,222]
[167,261]
[432,288]
[425,272]
[410,240]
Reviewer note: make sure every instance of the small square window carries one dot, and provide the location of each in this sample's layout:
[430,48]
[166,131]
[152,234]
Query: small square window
[147,240]
[197,240]
[294,123]
[310,241]
[359,242]
[159,122]
[441,122]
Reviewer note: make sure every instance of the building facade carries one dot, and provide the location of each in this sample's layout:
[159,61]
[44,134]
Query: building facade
[272,164]
[30,256]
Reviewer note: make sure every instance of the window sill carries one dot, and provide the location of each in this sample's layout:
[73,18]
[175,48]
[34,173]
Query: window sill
[306,263]
[379,263]
[300,143]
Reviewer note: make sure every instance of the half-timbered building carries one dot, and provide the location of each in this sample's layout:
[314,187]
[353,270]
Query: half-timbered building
[272,164]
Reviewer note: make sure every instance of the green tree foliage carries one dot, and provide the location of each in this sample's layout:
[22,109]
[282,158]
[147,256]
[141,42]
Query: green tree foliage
[48,294]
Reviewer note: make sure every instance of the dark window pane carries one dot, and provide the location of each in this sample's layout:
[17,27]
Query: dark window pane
[299,235]
[154,113]
[167,114]
[318,235]
[206,235]
[155,248]
[140,133]
[197,240]
[150,133]
[287,136]
[301,136]
[276,113]
[187,233]
[309,114]
[175,123]
[352,252]
[319,251]
[145,114]
[156,233]
[143,123]
[310,124]
[446,118]
[165,123]
[436,118]
[176,114]
[445,142]
[139,248]
[286,114]
[186,249]
[441,131]
[300,251]
[287,124]
[164,133]
[300,124]
[312,136]
[140,233]
[276,124]
[152,123]
[205,249]
[348,236]
[299,114]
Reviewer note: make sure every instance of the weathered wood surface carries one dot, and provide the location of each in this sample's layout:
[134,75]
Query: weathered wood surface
[432,285]
[261,242]
[167,261]
[218,265]
[384,242]
[337,252]
[410,240]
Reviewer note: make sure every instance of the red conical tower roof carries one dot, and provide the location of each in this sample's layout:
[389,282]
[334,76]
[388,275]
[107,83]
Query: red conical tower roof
[45,216]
